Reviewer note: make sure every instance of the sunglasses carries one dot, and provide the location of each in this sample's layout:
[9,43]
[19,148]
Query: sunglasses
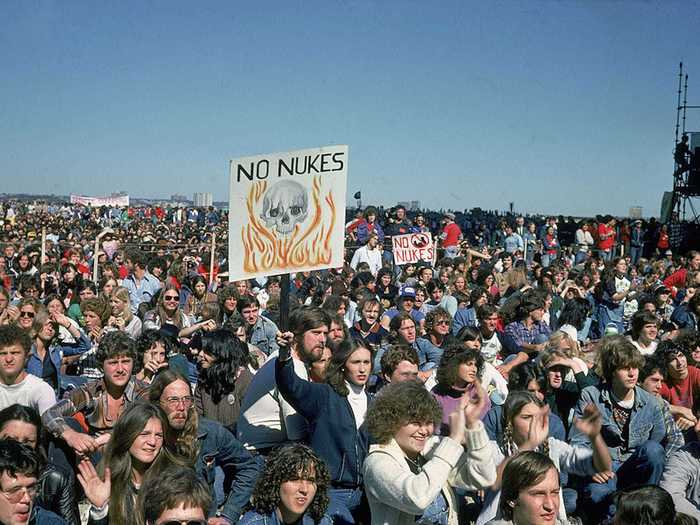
[170,298]
[27,314]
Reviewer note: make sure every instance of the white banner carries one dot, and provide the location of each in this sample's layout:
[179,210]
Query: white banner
[287,212]
[413,248]
[122,200]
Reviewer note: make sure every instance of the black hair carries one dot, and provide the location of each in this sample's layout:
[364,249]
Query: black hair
[229,354]
[16,458]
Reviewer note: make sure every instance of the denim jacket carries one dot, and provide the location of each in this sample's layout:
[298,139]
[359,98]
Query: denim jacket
[646,421]
[219,447]
[35,365]
[264,335]
[254,518]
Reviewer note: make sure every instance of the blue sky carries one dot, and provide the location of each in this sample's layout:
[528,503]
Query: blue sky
[557,106]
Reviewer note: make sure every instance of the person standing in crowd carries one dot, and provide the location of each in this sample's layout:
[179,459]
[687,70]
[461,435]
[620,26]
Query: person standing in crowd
[584,243]
[606,238]
[369,225]
[141,285]
[451,236]
[204,445]
[370,253]
[636,242]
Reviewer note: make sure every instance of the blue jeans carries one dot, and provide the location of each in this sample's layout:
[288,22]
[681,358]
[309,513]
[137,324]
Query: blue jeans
[344,505]
[610,316]
[635,253]
[643,467]
[580,257]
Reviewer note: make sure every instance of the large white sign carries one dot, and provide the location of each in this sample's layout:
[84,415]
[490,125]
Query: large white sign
[122,200]
[413,248]
[287,212]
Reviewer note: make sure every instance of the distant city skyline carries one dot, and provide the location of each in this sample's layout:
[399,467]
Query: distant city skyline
[558,107]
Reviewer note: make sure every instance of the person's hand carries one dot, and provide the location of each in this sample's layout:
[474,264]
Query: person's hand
[684,424]
[13,312]
[96,489]
[102,440]
[152,366]
[284,341]
[687,413]
[538,430]
[61,319]
[424,376]
[504,370]
[95,334]
[591,422]
[284,338]
[208,325]
[603,477]
[81,443]
[474,409]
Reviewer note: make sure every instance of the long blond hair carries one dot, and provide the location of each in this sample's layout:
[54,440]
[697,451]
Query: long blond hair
[122,294]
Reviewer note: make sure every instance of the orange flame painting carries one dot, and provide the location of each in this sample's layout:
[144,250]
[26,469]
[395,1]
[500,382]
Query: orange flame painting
[307,245]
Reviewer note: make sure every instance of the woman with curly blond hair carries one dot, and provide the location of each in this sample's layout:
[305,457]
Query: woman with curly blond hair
[410,473]
[293,488]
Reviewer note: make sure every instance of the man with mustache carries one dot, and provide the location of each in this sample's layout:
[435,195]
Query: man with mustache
[267,420]
[205,445]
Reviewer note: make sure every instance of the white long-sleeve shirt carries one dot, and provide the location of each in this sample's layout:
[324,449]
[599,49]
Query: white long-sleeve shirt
[371,257]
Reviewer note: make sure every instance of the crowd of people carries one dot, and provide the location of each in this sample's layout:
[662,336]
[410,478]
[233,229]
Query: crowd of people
[537,370]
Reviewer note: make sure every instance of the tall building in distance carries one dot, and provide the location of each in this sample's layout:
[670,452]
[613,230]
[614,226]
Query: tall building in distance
[202,199]
[635,212]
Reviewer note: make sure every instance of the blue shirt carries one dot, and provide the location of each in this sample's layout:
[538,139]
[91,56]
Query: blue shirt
[142,292]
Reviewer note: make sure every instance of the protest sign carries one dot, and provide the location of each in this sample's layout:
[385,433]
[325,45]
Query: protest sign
[287,212]
[413,248]
[117,200]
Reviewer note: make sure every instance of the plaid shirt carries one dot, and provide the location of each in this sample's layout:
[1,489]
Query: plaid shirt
[90,400]
[522,336]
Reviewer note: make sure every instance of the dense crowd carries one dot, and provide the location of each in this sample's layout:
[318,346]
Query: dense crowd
[537,370]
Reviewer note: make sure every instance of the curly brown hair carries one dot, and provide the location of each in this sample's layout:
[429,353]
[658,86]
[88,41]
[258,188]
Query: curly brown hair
[290,463]
[399,404]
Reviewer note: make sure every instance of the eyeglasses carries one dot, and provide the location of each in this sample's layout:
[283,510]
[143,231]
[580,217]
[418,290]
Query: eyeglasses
[442,322]
[183,522]
[173,402]
[170,298]
[16,494]
[27,314]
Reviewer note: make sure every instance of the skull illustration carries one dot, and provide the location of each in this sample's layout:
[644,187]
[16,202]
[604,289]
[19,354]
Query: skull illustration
[285,205]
